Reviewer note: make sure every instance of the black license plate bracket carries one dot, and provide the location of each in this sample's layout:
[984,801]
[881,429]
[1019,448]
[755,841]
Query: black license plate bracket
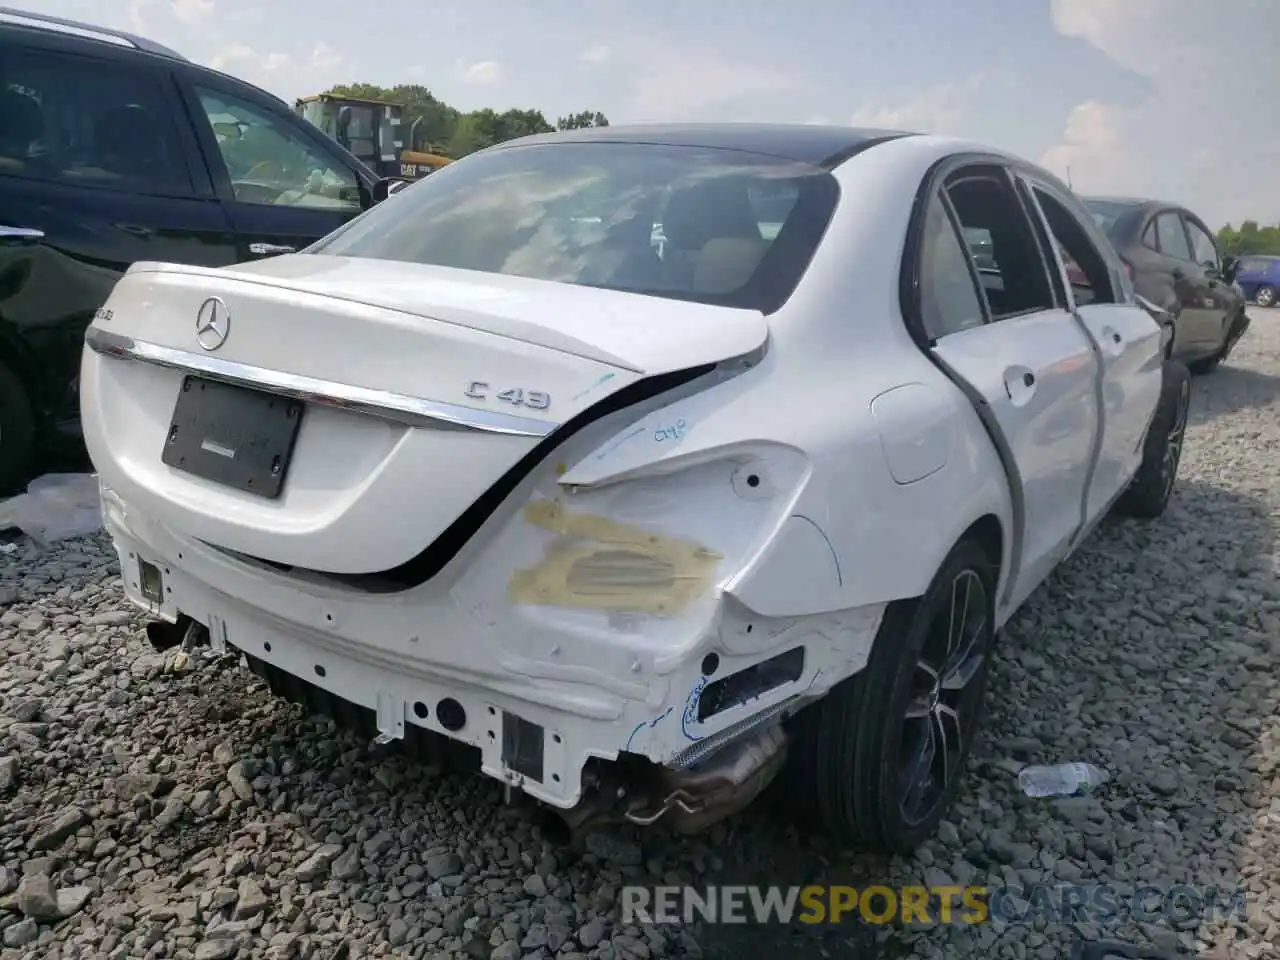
[233,435]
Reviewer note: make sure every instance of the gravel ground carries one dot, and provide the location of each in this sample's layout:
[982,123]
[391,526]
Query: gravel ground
[155,808]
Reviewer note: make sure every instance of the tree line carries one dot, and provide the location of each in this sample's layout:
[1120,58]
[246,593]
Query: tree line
[455,133]
[1249,239]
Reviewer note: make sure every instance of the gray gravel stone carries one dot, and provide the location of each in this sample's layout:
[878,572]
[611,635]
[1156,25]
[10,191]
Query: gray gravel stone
[37,898]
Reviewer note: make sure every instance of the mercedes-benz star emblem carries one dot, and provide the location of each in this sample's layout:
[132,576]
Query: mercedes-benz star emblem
[213,324]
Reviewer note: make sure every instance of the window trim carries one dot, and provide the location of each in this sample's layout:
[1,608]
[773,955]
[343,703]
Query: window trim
[1001,175]
[975,279]
[1150,226]
[1094,234]
[189,85]
[1189,219]
[1177,215]
[909,269]
[169,113]
[1063,297]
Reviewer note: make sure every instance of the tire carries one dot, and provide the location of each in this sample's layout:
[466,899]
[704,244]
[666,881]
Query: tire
[17,432]
[1265,295]
[1149,491]
[853,749]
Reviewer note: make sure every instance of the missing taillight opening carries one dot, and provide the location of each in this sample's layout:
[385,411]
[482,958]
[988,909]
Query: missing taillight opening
[755,681]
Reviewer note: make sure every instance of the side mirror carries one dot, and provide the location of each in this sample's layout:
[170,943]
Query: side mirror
[1212,271]
[388,187]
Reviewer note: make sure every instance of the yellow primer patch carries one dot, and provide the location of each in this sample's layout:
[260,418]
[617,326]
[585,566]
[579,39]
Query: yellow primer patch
[604,564]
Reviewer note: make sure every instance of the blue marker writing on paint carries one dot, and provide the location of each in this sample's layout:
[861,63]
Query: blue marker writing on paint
[690,714]
[646,723]
[674,432]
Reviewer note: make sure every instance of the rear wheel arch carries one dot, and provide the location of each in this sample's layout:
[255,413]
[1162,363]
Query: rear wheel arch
[989,534]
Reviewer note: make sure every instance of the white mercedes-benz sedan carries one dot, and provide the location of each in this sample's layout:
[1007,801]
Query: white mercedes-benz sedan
[649,464]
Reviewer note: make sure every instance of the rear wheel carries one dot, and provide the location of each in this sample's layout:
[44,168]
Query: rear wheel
[1152,485]
[17,432]
[879,760]
[1265,296]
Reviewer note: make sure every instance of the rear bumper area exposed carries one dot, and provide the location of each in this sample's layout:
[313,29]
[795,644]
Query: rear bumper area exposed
[538,725]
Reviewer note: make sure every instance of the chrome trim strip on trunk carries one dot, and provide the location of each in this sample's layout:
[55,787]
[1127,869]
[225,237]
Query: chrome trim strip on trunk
[382,404]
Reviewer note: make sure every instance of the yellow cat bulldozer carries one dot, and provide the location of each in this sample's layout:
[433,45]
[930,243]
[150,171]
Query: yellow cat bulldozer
[374,132]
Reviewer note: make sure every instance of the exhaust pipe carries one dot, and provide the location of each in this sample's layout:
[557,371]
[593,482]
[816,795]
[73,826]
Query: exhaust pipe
[689,800]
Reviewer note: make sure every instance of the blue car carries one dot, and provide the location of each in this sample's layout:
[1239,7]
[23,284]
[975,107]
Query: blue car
[1259,278]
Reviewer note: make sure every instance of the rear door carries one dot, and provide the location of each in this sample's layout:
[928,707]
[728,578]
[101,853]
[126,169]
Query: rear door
[1091,280]
[105,175]
[1217,290]
[1197,321]
[1024,360]
[283,183]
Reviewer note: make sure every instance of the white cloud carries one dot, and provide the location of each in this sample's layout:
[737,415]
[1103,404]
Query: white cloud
[137,22]
[1192,138]
[485,72]
[941,109]
[324,57]
[192,11]
[271,71]
[597,54]
[228,56]
[1092,141]
[670,80]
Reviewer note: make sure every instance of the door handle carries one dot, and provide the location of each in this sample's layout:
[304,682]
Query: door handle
[1028,379]
[21,234]
[134,229]
[269,249]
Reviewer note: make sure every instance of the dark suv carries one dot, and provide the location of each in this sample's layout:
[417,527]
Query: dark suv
[1175,263]
[114,149]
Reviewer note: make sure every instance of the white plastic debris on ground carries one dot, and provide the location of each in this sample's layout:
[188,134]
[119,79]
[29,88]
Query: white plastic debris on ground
[56,506]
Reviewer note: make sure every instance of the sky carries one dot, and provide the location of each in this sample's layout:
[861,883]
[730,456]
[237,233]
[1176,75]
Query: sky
[1175,99]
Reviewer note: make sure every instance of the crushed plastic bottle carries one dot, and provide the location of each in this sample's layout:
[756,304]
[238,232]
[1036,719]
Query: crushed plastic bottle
[1061,780]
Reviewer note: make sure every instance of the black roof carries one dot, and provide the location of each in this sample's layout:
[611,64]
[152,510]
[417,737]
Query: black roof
[799,142]
[86,31]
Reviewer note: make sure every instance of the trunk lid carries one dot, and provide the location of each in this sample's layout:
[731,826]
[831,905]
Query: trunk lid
[416,389]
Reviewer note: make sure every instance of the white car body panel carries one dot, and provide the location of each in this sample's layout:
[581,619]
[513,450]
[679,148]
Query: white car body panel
[820,474]
[326,520]
[1035,374]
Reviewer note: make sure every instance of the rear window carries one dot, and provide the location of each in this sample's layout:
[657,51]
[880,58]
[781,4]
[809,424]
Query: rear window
[1107,214]
[690,223]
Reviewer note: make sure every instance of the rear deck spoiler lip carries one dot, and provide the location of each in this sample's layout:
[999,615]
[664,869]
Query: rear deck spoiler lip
[398,408]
